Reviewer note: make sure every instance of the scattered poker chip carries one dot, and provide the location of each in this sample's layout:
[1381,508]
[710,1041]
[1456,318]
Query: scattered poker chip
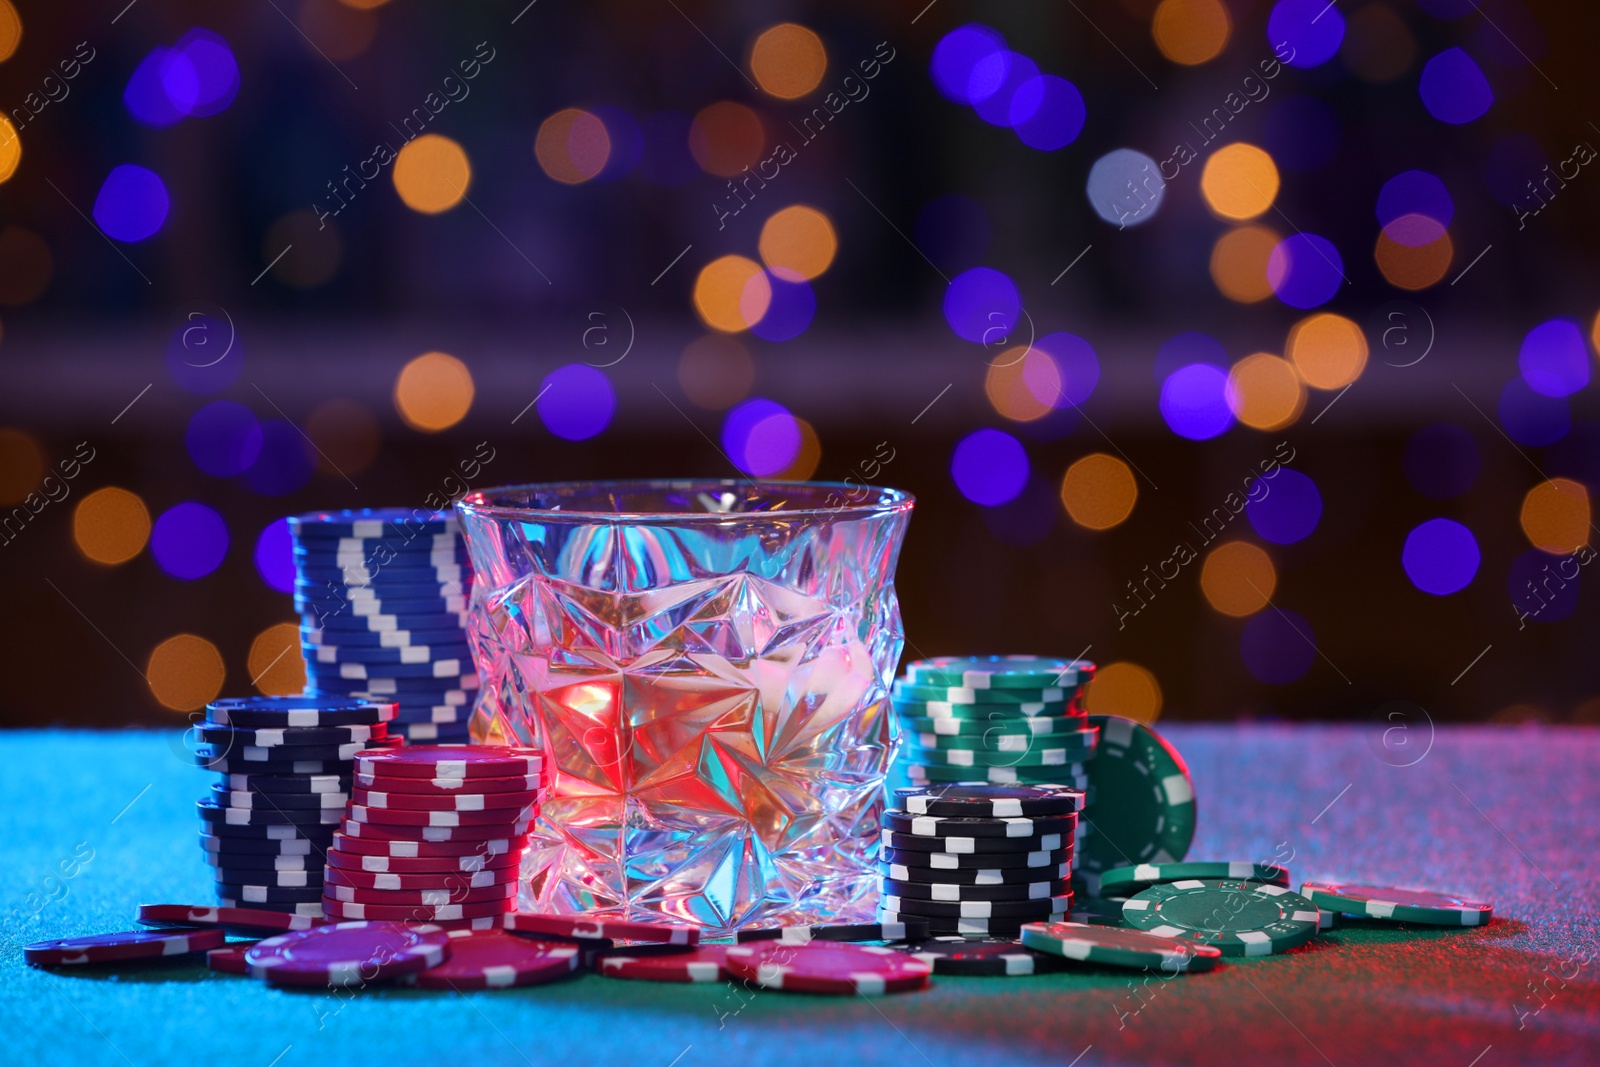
[272,736]
[384,639]
[524,922]
[351,861]
[1034,909]
[451,818]
[491,959]
[122,947]
[393,784]
[980,956]
[1097,911]
[1143,809]
[296,712]
[1239,918]
[382,832]
[801,935]
[410,848]
[249,798]
[373,658]
[976,845]
[703,963]
[273,879]
[949,861]
[407,523]
[958,694]
[1400,905]
[212,812]
[826,967]
[999,672]
[348,909]
[411,882]
[1066,713]
[902,872]
[299,846]
[349,953]
[229,959]
[951,892]
[502,891]
[453,801]
[936,826]
[290,783]
[1124,881]
[453,761]
[1071,776]
[267,894]
[1119,948]
[1330,920]
[310,909]
[978,800]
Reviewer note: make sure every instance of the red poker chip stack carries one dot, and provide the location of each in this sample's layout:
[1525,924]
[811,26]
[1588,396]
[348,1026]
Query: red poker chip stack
[434,834]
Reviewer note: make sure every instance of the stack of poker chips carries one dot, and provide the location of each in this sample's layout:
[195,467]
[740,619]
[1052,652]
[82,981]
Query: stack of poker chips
[285,765]
[978,858]
[382,597]
[434,834]
[998,719]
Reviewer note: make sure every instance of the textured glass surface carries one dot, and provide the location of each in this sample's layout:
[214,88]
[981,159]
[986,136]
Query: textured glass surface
[706,666]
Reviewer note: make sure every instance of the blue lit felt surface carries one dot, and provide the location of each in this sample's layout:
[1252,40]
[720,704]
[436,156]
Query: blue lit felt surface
[1376,994]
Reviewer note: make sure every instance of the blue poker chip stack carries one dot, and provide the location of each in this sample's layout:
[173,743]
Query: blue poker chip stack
[382,597]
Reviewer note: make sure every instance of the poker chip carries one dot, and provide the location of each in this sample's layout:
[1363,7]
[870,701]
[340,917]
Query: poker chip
[950,861]
[352,861]
[122,947]
[1071,776]
[394,784]
[453,761]
[421,586]
[934,826]
[296,712]
[315,832]
[524,922]
[1043,726]
[1098,911]
[1037,908]
[1128,880]
[1025,757]
[826,967]
[451,818]
[375,657]
[980,956]
[491,959]
[256,893]
[1397,904]
[344,894]
[274,879]
[957,694]
[952,892]
[406,523]
[304,910]
[230,959]
[1239,918]
[801,935]
[1119,948]
[505,804]
[939,926]
[349,621]
[1076,745]
[299,846]
[212,812]
[232,765]
[278,754]
[1000,672]
[382,832]
[1065,712]
[901,872]
[278,784]
[1143,807]
[382,639]
[267,862]
[249,798]
[459,691]
[348,953]
[978,800]
[348,909]
[273,736]
[703,963]
[975,845]
[409,848]
[452,669]
[411,882]
[436,733]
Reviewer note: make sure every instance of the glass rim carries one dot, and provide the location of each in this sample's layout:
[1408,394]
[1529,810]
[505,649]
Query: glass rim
[883,500]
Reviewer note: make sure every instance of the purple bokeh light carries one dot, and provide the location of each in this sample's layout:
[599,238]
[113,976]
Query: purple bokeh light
[956,57]
[1190,346]
[982,306]
[1312,29]
[1408,202]
[1532,418]
[1047,112]
[790,309]
[275,556]
[1301,133]
[1442,460]
[761,437]
[954,231]
[990,467]
[146,95]
[189,540]
[1305,270]
[203,77]
[1014,70]
[1194,401]
[1544,588]
[627,142]
[223,438]
[1125,187]
[204,355]
[1440,557]
[286,462]
[1028,518]
[1554,358]
[1453,88]
[576,402]
[1079,366]
[1278,647]
[1289,511]
[132,203]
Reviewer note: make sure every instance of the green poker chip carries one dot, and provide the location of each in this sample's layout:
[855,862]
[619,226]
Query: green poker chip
[1399,905]
[1039,725]
[1239,918]
[1119,947]
[1000,672]
[1036,756]
[1121,881]
[1079,744]
[943,709]
[960,694]
[1141,802]
[1072,776]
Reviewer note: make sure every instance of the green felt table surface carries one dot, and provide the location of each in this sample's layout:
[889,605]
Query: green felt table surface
[1507,815]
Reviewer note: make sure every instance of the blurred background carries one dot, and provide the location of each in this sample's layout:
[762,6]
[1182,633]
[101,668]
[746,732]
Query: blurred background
[1242,347]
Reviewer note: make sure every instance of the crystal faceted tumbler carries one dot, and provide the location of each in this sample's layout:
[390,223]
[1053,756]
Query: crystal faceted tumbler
[706,667]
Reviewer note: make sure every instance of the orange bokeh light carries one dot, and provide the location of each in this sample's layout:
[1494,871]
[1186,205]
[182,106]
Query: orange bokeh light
[726,137]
